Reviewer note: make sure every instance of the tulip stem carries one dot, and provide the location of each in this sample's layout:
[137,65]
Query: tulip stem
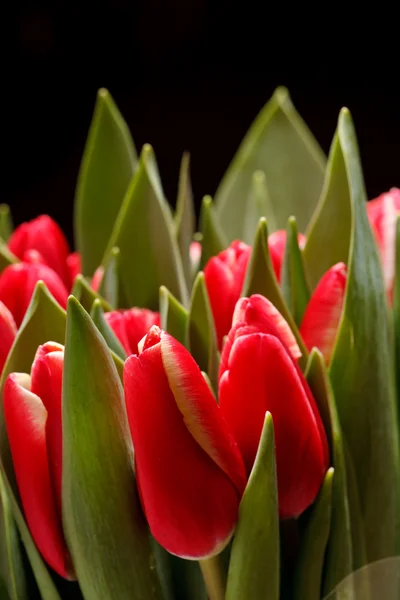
[214,577]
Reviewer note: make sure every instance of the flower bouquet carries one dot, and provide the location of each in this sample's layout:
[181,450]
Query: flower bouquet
[204,412]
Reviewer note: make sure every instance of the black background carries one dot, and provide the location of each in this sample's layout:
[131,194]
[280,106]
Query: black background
[187,75]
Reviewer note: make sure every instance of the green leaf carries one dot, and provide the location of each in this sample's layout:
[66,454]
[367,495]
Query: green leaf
[86,295]
[258,205]
[260,279]
[110,280]
[201,336]
[329,232]
[144,233]
[97,314]
[43,321]
[309,568]
[295,287]
[6,257]
[108,164]
[339,558]
[6,224]
[11,567]
[280,144]
[362,371]
[100,501]
[254,565]
[213,240]
[185,217]
[173,316]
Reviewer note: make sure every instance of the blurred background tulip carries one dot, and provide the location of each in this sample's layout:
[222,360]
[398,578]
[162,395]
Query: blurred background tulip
[224,275]
[276,245]
[17,284]
[189,470]
[131,325]
[8,331]
[382,213]
[321,319]
[45,236]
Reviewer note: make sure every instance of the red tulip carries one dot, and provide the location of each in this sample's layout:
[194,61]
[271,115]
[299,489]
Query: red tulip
[189,470]
[322,316]
[131,325]
[8,331]
[17,284]
[32,409]
[44,235]
[259,373]
[74,266]
[224,275]
[276,245]
[195,256]
[382,213]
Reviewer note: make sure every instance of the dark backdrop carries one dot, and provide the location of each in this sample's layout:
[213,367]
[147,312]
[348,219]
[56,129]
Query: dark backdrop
[187,75]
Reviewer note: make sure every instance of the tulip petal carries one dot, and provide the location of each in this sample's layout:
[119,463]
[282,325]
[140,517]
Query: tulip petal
[259,312]
[226,272]
[262,377]
[8,331]
[382,213]
[17,284]
[200,412]
[46,383]
[190,504]
[322,316]
[26,424]
[131,325]
[45,236]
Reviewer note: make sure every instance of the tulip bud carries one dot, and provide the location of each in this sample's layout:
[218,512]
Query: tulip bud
[189,470]
[32,409]
[131,325]
[17,284]
[322,316]
[195,255]
[44,235]
[382,214]
[74,266]
[224,276]
[276,245]
[8,331]
[259,373]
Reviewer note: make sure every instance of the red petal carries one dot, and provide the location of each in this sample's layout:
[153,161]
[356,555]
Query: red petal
[200,411]
[259,312]
[131,325]
[74,266]
[276,245]
[262,377]
[17,284]
[8,331]
[226,272]
[322,316]
[46,382]
[25,418]
[190,504]
[44,235]
[382,213]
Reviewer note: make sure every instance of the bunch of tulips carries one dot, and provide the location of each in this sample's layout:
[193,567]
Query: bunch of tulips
[192,412]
